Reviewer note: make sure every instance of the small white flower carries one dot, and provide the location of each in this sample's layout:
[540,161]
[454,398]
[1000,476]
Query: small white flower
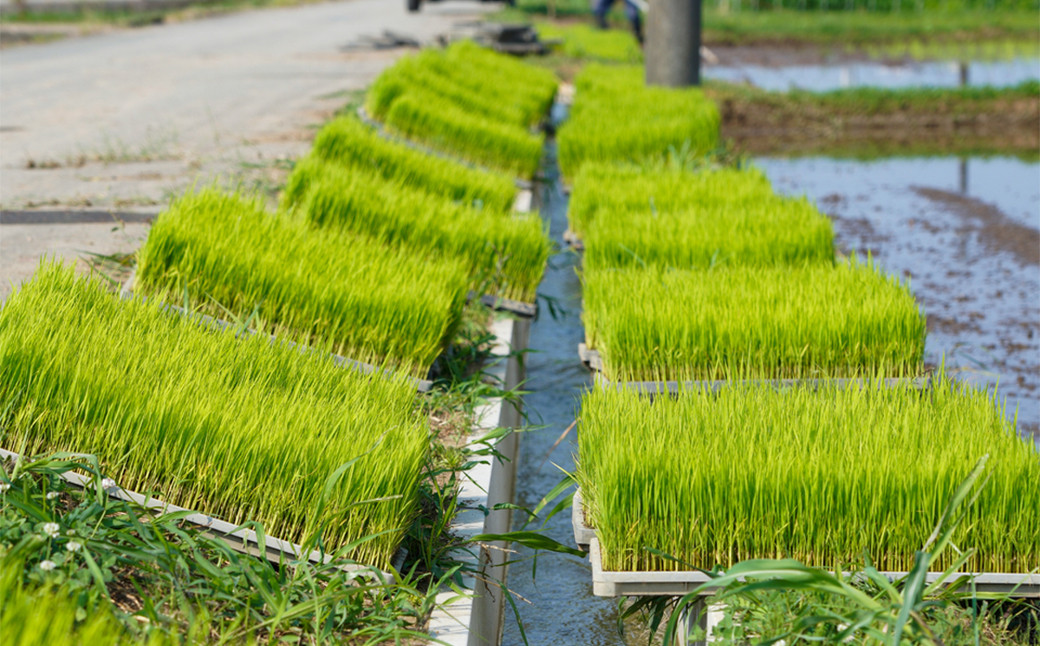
[47,566]
[71,532]
[51,529]
[108,483]
[73,546]
[51,495]
[4,487]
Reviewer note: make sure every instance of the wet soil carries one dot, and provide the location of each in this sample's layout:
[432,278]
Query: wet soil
[760,127]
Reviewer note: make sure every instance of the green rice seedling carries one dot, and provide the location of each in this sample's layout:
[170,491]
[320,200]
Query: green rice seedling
[440,124]
[612,190]
[349,142]
[766,322]
[822,475]
[772,232]
[343,293]
[615,117]
[239,428]
[508,77]
[471,77]
[467,101]
[505,254]
[591,44]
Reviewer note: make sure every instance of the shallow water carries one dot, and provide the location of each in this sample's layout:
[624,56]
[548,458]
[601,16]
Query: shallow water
[967,233]
[820,78]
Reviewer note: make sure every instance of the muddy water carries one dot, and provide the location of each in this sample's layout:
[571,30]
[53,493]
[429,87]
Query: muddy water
[820,78]
[967,233]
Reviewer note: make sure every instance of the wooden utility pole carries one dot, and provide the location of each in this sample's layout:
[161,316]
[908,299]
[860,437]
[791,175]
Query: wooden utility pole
[673,43]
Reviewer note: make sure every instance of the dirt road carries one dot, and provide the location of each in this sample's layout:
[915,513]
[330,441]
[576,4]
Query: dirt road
[124,120]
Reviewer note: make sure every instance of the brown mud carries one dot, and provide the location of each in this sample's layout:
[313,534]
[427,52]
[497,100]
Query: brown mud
[1009,125]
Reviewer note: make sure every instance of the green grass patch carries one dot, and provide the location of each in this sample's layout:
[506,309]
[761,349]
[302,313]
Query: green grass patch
[770,232]
[612,192]
[349,142]
[504,253]
[346,294]
[592,44]
[469,102]
[239,428]
[789,322]
[615,117]
[823,476]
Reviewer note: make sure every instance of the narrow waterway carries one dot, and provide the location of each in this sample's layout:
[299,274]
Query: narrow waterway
[821,78]
[554,596]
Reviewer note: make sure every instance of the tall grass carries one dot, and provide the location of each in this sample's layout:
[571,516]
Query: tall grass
[349,142]
[786,322]
[774,231]
[504,254]
[615,117]
[822,476]
[469,102]
[605,190]
[344,293]
[239,428]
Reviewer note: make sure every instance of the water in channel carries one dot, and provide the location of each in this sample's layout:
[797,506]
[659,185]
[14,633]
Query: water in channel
[821,78]
[562,610]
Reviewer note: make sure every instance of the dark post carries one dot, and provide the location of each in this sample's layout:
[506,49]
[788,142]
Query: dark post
[673,43]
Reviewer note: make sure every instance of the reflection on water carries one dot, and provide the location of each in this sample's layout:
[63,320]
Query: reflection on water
[967,232]
[820,78]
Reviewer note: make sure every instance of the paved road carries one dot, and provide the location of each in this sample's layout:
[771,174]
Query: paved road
[122,121]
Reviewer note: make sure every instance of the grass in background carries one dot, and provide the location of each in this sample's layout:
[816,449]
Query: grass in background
[615,117]
[590,43]
[613,191]
[771,232]
[820,476]
[790,322]
[345,294]
[467,101]
[239,428]
[505,254]
[836,27]
[349,142]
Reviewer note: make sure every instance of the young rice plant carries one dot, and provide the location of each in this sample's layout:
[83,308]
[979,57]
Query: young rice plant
[787,322]
[822,475]
[505,254]
[239,428]
[343,293]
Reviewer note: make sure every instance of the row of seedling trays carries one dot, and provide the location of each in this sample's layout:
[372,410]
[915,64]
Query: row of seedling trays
[757,396]
[218,384]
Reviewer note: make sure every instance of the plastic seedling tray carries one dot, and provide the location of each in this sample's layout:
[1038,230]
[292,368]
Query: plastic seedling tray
[606,583]
[583,534]
[594,362]
[127,291]
[240,539]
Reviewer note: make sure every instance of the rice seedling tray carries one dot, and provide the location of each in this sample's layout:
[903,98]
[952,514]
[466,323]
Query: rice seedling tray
[607,583]
[127,291]
[592,360]
[239,539]
[477,619]
[499,304]
[366,118]
[583,534]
